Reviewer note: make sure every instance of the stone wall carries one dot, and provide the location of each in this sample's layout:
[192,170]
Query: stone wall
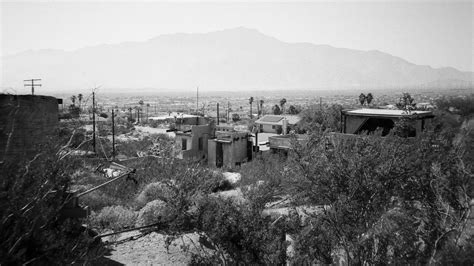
[26,121]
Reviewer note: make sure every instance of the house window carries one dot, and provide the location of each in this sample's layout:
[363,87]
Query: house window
[184,144]
[200,143]
[273,127]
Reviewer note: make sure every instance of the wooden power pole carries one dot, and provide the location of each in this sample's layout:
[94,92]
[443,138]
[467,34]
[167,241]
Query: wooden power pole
[217,113]
[93,120]
[32,85]
[113,134]
[197,100]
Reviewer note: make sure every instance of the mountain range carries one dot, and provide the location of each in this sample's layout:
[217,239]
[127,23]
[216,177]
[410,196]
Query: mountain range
[232,59]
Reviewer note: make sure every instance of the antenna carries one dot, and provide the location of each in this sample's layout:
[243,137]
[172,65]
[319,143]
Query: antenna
[32,85]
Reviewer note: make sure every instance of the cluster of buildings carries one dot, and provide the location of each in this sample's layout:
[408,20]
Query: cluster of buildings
[225,146]
[29,119]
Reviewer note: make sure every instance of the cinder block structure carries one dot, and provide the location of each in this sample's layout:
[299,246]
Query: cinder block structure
[26,122]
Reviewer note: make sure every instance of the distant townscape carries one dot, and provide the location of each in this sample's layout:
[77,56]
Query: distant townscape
[236,133]
[203,175]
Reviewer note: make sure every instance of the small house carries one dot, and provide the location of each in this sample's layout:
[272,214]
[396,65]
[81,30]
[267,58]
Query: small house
[276,123]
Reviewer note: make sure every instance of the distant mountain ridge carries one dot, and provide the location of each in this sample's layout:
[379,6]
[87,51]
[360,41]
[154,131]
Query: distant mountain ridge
[231,59]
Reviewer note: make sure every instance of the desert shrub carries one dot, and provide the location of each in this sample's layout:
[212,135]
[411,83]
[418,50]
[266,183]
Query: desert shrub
[242,232]
[405,127]
[96,200]
[122,129]
[156,211]
[32,195]
[390,200]
[315,119]
[114,218]
[130,148]
[154,123]
[154,191]
[267,168]
[235,117]
[462,105]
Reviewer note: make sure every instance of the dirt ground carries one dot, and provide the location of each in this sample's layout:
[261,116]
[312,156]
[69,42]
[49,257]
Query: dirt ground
[150,249]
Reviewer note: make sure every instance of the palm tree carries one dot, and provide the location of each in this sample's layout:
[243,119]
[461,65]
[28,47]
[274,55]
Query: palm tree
[79,97]
[73,99]
[147,106]
[369,98]
[362,99]
[282,104]
[251,101]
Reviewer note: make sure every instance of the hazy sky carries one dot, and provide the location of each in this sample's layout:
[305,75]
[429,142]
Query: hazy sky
[436,33]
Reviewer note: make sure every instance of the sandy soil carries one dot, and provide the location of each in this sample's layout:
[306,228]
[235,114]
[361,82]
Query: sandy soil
[150,249]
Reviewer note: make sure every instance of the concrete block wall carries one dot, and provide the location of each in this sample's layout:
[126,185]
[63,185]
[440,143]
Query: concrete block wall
[26,121]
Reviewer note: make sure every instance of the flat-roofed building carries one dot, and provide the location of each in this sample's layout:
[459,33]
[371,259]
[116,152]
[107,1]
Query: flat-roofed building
[191,141]
[229,149]
[368,120]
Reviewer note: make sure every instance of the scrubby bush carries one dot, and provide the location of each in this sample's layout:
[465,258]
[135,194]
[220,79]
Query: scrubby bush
[156,211]
[114,218]
[462,105]
[389,200]
[32,195]
[242,232]
[96,200]
[316,119]
[154,191]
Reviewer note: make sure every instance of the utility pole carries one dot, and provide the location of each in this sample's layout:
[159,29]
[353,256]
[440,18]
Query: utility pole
[32,85]
[320,103]
[113,134]
[228,111]
[93,119]
[217,113]
[258,109]
[197,100]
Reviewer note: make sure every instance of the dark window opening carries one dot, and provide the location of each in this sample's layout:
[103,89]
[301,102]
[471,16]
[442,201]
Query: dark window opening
[184,144]
[373,124]
[200,144]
